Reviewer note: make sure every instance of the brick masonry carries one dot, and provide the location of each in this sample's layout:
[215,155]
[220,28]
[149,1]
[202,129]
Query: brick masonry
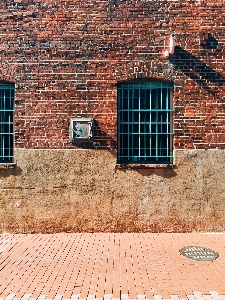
[66,59]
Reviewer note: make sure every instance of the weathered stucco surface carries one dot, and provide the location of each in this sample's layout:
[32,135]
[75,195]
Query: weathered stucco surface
[84,190]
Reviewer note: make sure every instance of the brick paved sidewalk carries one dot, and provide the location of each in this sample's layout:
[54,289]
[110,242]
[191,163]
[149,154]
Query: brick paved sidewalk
[110,266]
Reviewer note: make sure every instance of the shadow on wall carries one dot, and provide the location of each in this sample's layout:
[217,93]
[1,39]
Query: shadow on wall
[14,171]
[165,172]
[197,70]
[162,172]
[102,139]
[212,43]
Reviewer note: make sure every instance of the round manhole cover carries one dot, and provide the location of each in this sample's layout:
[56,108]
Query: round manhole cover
[199,253]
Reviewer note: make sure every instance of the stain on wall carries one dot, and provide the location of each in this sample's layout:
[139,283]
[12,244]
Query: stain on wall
[85,191]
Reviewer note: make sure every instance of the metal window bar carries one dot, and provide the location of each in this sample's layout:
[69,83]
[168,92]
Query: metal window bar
[128,127]
[150,122]
[6,122]
[139,121]
[145,131]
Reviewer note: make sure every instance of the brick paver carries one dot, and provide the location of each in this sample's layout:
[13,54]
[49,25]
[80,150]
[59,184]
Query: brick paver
[110,266]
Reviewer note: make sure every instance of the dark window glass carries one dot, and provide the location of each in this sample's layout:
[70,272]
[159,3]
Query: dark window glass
[145,134]
[6,122]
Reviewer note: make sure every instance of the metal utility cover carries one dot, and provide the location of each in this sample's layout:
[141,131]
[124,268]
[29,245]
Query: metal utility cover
[81,128]
[199,253]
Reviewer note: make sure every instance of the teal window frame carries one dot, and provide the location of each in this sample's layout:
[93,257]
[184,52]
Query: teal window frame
[7,95]
[145,123]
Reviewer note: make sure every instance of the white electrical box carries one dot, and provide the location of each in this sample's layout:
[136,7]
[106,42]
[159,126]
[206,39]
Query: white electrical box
[81,129]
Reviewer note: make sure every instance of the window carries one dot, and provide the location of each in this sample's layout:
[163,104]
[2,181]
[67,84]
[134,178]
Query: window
[145,127]
[6,122]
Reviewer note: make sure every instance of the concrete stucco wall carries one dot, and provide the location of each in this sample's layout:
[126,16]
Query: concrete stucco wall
[85,190]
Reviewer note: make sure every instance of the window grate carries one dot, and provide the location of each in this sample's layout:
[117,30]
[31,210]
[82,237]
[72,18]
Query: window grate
[6,122]
[145,127]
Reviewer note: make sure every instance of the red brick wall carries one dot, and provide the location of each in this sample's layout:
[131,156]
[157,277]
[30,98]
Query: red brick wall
[66,58]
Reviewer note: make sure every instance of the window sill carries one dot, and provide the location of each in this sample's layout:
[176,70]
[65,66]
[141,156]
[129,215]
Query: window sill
[145,166]
[7,165]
